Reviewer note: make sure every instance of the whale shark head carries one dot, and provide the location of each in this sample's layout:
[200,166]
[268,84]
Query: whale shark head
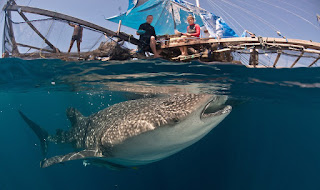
[168,125]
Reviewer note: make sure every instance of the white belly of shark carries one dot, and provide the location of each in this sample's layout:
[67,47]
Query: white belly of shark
[163,142]
[137,132]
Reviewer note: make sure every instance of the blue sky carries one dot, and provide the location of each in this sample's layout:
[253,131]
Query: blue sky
[293,18]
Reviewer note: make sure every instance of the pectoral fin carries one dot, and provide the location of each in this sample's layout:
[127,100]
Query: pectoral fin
[71,156]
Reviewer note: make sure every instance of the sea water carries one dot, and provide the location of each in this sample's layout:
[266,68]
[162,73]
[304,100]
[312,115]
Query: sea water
[271,139]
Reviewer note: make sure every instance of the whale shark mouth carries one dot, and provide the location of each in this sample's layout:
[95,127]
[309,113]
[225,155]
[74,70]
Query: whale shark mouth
[215,108]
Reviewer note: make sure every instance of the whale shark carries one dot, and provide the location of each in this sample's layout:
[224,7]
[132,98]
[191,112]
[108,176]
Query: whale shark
[135,132]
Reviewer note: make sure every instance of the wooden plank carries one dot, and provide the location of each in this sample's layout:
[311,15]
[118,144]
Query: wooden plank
[41,49]
[67,18]
[15,50]
[296,61]
[254,58]
[187,57]
[233,41]
[277,59]
[270,46]
[222,50]
[312,51]
[119,27]
[314,62]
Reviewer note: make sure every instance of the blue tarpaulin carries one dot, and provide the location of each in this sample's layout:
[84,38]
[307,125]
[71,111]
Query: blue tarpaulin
[171,15]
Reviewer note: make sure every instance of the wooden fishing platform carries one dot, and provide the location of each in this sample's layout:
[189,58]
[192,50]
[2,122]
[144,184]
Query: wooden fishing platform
[205,49]
[212,49]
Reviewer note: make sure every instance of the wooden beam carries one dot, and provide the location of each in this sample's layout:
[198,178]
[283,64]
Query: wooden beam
[277,59]
[222,50]
[119,27]
[233,41]
[296,61]
[35,29]
[312,51]
[32,47]
[15,50]
[67,18]
[254,58]
[314,62]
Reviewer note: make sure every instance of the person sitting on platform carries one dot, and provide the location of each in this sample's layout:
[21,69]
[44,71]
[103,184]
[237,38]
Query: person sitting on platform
[76,36]
[193,30]
[148,37]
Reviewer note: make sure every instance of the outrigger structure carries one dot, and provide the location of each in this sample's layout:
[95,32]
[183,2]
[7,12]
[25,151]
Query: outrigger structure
[32,33]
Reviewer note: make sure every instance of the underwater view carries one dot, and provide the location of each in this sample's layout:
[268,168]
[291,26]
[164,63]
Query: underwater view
[269,140]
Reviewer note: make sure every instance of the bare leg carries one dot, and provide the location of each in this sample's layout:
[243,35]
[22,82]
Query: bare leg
[71,44]
[78,46]
[183,49]
[153,47]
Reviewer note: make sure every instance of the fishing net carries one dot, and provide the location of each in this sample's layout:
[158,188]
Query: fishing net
[48,37]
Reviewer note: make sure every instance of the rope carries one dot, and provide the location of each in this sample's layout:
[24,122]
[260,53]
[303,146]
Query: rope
[212,3]
[29,2]
[291,13]
[121,45]
[30,21]
[296,7]
[62,30]
[40,53]
[96,43]
[252,14]
[269,13]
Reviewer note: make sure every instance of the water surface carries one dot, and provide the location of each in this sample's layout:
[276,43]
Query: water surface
[270,140]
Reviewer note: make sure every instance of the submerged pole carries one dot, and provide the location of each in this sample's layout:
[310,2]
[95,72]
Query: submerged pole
[314,62]
[254,57]
[277,59]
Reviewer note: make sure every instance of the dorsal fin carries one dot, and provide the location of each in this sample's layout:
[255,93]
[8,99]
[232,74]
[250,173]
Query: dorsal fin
[74,116]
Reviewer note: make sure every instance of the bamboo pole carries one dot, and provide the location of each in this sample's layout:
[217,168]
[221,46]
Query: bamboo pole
[314,62]
[15,50]
[119,27]
[67,18]
[296,61]
[240,40]
[32,47]
[277,59]
[254,57]
[35,29]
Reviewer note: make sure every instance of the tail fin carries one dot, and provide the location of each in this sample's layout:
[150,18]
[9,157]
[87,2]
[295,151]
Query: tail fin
[41,133]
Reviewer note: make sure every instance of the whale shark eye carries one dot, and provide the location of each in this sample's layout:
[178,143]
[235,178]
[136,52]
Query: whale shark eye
[175,120]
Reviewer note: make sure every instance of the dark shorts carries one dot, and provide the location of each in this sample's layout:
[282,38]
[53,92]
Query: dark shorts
[74,38]
[147,48]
